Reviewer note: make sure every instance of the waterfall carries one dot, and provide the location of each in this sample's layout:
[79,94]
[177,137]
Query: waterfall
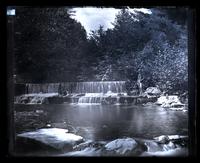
[78,87]
[94,87]
[42,88]
[81,92]
[100,87]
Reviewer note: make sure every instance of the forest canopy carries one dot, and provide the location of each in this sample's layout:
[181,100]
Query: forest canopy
[51,46]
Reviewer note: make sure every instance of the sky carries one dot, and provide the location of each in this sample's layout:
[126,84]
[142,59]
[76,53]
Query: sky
[91,17]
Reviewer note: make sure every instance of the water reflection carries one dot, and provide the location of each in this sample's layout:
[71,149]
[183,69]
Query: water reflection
[106,122]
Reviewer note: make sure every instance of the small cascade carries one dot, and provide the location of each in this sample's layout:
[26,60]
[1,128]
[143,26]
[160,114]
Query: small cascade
[99,98]
[91,98]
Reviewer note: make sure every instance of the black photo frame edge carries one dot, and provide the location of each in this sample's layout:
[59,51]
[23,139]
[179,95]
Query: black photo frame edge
[7,67]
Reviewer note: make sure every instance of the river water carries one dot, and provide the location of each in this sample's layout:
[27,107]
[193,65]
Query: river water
[104,122]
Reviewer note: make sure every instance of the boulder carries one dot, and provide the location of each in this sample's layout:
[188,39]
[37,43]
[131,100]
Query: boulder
[121,146]
[167,100]
[153,91]
[164,139]
[177,139]
[90,144]
[165,145]
[171,102]
[54,138]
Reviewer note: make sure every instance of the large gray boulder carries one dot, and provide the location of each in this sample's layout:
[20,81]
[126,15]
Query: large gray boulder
[121,146]
[153,91]
[54,138]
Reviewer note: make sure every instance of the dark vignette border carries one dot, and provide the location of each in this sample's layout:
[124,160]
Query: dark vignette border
[192,51]
[7,44]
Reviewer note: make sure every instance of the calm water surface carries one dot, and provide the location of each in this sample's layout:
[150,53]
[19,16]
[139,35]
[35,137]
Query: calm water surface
[108,122]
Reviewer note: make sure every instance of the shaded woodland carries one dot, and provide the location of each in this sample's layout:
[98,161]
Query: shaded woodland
[50,46]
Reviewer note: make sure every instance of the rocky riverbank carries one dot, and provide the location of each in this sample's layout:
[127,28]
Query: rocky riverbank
[59,142]
[33,122]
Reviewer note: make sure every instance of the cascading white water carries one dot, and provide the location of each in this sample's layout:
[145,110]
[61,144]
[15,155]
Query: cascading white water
[100,98]
[94,87]
[78,87]
[42,88]
[93,92]
[91,98]
[98,92]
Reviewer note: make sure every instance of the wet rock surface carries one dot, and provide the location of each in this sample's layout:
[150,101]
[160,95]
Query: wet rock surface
[171,103]
[121,146]
[48,139]
[153,91]
[59,142]
[129,147]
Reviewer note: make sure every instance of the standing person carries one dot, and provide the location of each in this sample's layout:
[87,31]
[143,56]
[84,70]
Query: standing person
[139,83]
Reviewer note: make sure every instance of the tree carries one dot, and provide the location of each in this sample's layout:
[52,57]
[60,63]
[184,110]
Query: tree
[53,47]
[154,46]
[48,44]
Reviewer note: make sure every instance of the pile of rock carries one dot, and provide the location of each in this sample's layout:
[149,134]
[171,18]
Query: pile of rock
[170,102]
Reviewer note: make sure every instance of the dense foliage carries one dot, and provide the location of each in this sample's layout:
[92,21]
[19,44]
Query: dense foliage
[49,45]
[53,47]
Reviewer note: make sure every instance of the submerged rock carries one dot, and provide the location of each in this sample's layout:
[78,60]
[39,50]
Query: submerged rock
[89,144]
[88,148]
[86,152]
